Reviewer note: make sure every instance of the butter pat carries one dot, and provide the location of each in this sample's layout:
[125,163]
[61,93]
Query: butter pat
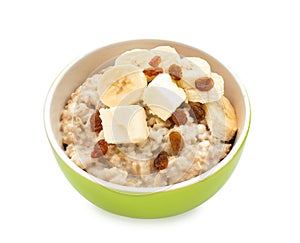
[124,124]
[163,96]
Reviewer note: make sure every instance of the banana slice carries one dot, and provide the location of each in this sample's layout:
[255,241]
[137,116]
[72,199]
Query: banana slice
[136,57]
[194,68]
[203,97]
[168,56]
[122,85]
[221,119]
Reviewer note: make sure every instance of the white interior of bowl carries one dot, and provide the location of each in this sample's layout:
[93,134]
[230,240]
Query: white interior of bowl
[77,72]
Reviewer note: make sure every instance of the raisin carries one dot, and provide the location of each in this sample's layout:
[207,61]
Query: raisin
[176,142]
[175,72]
[204,83]
[152,72]
[100,149]
[155,61]
[179,117]
[96,122]
[196,111]
[65,146]
[161,161]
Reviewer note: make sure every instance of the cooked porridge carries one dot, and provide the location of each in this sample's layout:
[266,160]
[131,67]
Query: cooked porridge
[152,119]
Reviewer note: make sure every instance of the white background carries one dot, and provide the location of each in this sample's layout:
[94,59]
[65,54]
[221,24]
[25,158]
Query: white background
[259,40]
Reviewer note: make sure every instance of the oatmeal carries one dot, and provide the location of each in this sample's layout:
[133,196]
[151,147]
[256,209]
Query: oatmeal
[153,119]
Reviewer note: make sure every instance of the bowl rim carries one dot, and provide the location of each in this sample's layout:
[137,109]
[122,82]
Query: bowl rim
[57,149]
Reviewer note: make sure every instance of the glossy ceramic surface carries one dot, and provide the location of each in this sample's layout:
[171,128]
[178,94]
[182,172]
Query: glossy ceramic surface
[142,202]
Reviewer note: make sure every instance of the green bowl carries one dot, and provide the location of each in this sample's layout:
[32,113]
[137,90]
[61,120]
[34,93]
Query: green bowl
[153,202]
